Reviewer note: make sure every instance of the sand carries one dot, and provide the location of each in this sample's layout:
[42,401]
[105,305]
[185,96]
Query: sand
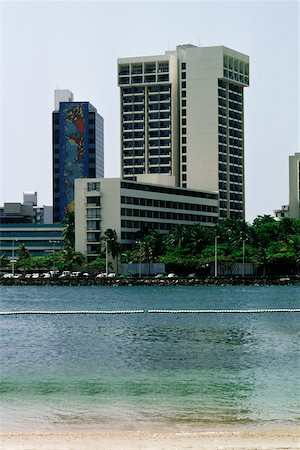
[246,439]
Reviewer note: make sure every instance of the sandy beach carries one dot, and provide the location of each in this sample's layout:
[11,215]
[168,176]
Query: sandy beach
[246,439]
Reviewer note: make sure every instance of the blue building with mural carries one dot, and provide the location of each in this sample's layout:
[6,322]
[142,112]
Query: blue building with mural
[78,149]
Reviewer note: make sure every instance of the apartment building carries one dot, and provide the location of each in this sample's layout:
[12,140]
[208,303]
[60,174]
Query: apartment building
[182,117]
[78,148]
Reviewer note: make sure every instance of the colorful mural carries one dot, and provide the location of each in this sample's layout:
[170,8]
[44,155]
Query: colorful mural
[73,150]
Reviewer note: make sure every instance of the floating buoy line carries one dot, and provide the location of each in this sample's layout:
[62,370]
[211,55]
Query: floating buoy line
[154,311]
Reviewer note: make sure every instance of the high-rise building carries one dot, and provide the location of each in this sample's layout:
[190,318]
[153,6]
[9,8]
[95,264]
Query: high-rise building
[294,183]
[182,117]
[78,148]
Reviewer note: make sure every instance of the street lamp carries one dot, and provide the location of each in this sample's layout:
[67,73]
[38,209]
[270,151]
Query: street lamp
[13,257]
[106,257]
[140,262]
[53,253]
[244,248]
[216,256]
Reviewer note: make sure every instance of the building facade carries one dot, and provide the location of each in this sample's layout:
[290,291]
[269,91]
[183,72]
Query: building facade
[182,116]
[39,239]
[26,212]
[128,207]
[294,184]
[78,148]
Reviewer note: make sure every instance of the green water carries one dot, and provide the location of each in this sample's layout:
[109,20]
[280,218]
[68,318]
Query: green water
[91,372]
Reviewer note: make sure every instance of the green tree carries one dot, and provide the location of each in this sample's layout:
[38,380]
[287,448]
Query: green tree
[24,259]
[69,259]
[4,262]
[112,245]
[68,232]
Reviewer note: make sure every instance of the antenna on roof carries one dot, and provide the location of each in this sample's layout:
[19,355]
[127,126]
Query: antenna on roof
[199,43]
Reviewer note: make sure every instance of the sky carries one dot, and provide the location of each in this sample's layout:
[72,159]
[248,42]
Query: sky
[47,45]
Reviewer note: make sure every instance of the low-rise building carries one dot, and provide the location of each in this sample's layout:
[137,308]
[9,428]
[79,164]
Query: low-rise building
[39,239]
[27,212]
[130,206]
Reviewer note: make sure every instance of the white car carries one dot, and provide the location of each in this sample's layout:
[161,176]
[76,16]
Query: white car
[8,275]
[35,275]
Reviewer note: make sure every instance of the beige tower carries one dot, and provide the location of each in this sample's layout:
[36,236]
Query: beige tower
[182,116]
[294,182]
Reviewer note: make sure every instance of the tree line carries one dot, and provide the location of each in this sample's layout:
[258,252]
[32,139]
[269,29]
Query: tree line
[272,246]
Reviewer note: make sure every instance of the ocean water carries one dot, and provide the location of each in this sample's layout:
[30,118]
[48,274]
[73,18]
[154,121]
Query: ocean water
[65,372]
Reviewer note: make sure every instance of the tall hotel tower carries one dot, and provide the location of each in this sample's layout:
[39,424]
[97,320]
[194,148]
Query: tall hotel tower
[77,148]
[182,121]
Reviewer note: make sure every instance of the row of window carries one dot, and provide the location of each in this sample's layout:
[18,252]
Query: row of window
[137,79]
[236,124]
[232,205]
[168,190]
[230,131]
[144,67]
[232,159]
[139,201]
[166,215]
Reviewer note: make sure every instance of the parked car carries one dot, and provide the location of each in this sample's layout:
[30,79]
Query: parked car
[46,275]
[101,275]
[66,273]
[159,275]
[172,275]
[111,275]
[8,275]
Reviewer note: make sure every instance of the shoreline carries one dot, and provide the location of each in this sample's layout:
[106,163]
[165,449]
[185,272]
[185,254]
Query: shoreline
[148,281]
[194,438]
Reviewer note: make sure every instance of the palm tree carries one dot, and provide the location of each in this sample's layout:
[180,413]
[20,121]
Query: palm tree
[68,232]
[71,259]
[3,261]
[111,244]
[178,236]
[24,256]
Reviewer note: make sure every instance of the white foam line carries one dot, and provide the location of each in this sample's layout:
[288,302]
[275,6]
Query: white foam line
[135,311]
[220,311]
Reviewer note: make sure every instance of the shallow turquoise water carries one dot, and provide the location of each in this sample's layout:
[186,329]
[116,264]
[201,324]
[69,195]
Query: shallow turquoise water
[64,372]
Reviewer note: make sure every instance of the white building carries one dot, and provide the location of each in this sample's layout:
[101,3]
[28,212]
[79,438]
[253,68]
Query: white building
[182,116]
[127,207]
[294,182]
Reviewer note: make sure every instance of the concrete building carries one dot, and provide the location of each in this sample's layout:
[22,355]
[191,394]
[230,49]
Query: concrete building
[26,212]
[182,116]
[282,213]
[128,206]
[39,239]
[294,185]
[78,148]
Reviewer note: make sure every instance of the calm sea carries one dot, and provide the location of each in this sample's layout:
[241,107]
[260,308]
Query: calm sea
[106,371]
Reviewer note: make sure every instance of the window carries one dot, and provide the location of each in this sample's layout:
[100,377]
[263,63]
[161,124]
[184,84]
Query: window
[93,187]
[93,212]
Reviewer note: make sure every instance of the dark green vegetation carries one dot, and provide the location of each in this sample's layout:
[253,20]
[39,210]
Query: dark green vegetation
[273,247]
